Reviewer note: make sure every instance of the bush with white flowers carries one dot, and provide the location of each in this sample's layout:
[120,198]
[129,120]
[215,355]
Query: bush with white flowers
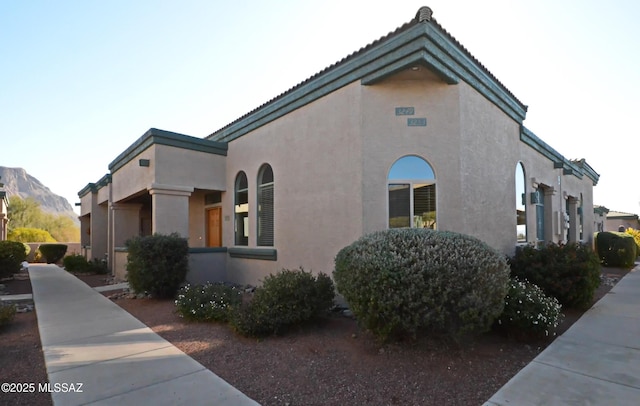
[209,302]
[528,312]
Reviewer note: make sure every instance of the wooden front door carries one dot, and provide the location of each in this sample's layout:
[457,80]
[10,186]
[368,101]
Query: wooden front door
[214,227]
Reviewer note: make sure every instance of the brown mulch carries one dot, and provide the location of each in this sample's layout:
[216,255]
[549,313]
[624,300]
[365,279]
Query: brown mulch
[332,363]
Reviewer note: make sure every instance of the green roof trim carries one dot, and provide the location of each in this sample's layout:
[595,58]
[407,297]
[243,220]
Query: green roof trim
[207,250]
[90,188]
[267,254]
[575,168]
[94,187]
[161,137]
[415,43]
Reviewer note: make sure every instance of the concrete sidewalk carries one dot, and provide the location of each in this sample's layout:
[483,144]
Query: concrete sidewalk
[89,340]
[595,362]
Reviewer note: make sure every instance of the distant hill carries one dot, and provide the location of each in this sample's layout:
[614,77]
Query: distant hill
[17,182]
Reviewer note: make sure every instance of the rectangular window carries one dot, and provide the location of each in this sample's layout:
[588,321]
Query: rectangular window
[540,222]
[265,215]
[424,205]
[399,205]
[242,217]
[212,198]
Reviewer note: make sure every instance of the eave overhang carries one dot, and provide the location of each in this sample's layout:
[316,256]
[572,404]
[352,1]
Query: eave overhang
[416,43]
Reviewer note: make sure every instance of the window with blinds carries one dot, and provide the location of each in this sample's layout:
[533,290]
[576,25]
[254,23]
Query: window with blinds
[241,210]
[412,194]
[521,207]
[265,206]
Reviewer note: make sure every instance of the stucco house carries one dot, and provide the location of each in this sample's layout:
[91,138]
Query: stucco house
[409,131]
[617,219]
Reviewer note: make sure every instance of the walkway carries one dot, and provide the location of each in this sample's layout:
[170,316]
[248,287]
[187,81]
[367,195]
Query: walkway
[595,362]
[89,340]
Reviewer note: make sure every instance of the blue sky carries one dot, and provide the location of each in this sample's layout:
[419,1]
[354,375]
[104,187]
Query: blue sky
[82,80]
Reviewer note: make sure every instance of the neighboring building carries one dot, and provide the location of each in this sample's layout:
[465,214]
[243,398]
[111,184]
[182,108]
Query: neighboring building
[600,218]
[410,131]
[4,213]
[617,220]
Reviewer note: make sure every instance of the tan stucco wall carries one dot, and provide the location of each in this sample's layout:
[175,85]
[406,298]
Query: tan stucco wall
[488,158]
[387,138]
[131,178]
[315,153]
[612,224]
[119,270]
[331,174]
[189,168]
[85,204]
[197,220]
[103,194]
[540,170]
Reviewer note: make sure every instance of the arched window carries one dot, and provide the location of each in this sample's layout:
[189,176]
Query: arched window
[412,193]
[521,206]
[241,210]
[265,206]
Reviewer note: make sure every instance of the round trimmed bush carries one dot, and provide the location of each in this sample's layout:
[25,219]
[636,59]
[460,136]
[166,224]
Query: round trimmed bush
[157,264]
[12,254]
[287,298]
[568,272]
[76,263]
[403,282]
[617,249]
[528,312]
[53,253]
[208,302]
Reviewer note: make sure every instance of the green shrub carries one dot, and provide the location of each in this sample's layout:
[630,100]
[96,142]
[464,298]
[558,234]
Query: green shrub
[284,299]
[157,264]
[616,249]
[570,273]
[528,312]
[98,266]
[636,237]
[7,312]
[12,254]
[76,263]
[25,234]
[209,302]
[402,282]
[53,253]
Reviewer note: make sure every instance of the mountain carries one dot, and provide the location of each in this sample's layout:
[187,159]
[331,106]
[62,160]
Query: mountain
[17,182]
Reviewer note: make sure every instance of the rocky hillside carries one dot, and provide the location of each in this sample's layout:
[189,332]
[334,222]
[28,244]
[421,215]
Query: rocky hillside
[18,182]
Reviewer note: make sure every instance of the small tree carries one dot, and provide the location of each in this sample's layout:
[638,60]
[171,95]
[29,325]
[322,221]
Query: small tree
[24,234]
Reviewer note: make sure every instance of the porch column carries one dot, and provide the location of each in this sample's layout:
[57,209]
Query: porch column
[98,231]
[125,224]
[3,226]
[574,220]
[170,209]
[85,232]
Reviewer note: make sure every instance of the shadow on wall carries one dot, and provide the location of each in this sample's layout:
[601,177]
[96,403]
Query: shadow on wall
[72,248]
